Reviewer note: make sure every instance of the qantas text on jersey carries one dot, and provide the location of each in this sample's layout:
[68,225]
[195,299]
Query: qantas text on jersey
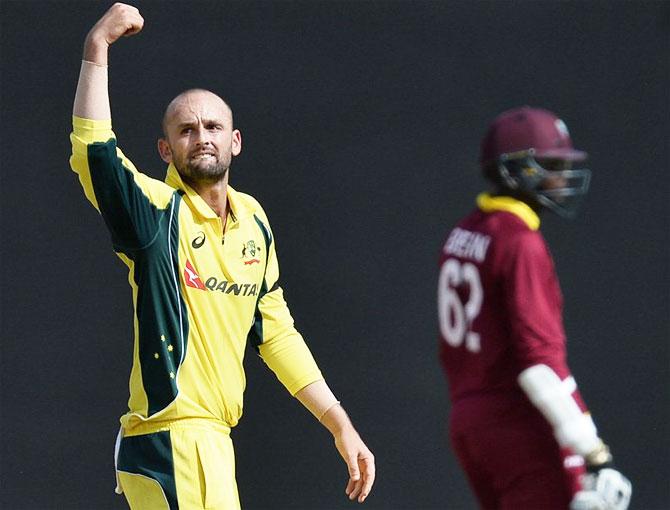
[192,279]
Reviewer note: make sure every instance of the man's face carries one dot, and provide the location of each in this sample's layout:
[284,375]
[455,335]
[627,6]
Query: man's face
[554,179]
[200,139]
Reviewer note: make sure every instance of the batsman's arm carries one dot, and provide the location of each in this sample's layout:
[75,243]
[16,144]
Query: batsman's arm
[603,486]
[92,97]
[540,347]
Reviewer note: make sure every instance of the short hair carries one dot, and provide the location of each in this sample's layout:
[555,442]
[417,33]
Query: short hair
[171,104]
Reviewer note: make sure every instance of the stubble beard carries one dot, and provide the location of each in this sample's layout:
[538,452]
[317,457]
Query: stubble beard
[206,172]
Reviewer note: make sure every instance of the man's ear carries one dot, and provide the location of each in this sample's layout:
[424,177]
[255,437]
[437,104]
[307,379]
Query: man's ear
[236,145]
[164,150]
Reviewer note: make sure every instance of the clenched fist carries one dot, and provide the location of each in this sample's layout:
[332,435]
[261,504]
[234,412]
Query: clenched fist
[119,20]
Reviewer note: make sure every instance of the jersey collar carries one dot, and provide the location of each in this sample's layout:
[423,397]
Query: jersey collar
[235,202]
[523,211]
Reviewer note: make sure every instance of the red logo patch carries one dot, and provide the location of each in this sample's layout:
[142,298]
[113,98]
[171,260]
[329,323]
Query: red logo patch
[192,278]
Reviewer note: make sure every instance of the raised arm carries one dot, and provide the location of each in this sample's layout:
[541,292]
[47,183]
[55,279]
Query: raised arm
[131,203]
[92,98]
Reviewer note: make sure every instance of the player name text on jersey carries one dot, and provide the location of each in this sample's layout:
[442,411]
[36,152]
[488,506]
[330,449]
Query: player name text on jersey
[465,244]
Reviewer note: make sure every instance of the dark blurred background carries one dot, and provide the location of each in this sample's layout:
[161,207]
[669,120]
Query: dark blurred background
[361,124]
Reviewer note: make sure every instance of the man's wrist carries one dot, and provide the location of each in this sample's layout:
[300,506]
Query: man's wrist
[96,48]
[336,420]
[94,63]
[599,458]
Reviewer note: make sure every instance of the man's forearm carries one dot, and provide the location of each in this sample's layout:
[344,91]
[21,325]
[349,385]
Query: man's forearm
[91,100]
[317,398]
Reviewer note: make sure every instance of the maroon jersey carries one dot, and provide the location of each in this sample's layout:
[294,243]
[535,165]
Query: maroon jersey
[500,310]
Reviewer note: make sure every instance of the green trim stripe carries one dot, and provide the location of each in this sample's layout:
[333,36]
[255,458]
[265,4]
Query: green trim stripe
[149,237]
[161,312]
[150,455]
[255,335]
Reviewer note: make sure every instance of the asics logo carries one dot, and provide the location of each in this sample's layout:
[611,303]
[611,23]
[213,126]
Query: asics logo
[199,240]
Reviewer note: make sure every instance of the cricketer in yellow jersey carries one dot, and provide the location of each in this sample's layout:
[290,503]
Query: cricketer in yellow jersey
[204,274]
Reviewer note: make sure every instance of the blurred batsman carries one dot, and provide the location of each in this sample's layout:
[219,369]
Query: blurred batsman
[203,270]
[518,424]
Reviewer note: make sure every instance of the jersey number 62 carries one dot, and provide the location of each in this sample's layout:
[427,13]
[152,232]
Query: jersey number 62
[455,317]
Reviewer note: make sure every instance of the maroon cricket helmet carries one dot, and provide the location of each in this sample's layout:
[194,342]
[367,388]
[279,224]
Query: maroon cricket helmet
[521,129]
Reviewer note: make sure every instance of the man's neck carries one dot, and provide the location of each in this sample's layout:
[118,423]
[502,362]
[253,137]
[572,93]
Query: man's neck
[215,194]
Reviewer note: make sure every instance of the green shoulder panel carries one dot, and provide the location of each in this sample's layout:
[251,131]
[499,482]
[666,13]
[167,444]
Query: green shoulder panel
[130,215]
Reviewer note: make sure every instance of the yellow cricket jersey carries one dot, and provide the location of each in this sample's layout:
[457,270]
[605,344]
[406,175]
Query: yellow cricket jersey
[200,293]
